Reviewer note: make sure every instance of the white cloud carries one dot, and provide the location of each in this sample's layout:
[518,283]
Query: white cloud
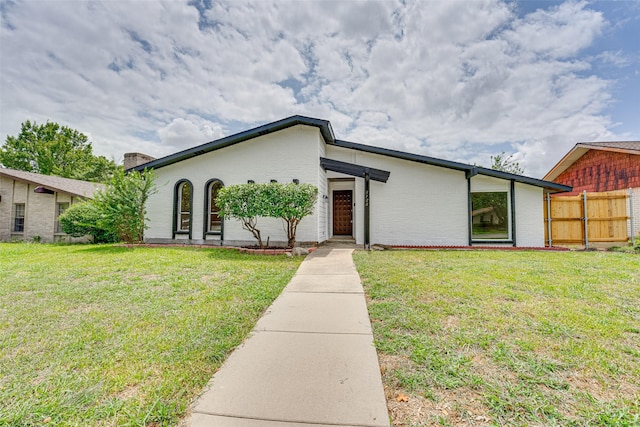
[453,79]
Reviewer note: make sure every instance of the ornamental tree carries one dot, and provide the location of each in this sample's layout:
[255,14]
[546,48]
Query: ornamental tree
[245,202]
[248,202]
[293,202]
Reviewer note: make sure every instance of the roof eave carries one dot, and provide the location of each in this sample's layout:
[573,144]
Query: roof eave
[324,126]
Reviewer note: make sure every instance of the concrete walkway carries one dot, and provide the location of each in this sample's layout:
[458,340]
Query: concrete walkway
[310,361]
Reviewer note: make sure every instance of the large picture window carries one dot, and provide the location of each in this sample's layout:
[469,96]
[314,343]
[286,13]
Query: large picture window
[214,220]
[490,215]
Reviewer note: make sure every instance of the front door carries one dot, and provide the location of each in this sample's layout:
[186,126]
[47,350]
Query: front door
[342,211]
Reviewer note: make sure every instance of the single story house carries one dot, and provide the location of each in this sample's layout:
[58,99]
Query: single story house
[602,166]
[30,204]
[368,194]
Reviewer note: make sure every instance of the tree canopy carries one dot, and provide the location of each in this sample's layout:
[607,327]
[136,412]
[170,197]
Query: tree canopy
[504,163]
[117,213]
[52,149]
[247,202]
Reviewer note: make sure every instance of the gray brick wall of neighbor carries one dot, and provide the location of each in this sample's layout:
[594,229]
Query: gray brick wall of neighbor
[41,196]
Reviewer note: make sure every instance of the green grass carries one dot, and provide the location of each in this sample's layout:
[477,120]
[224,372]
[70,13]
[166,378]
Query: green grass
[107,335]
[519,338]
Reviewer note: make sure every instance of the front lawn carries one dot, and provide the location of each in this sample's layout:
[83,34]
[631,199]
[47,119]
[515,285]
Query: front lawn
[506,338]
[107,335]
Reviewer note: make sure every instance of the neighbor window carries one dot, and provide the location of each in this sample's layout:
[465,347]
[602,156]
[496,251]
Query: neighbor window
[213,211]
[184,207]
[490,215]
[60,209]
[18,217]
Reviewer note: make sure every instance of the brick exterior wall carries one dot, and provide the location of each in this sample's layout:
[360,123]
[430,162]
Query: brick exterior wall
[40,213]
[600,170]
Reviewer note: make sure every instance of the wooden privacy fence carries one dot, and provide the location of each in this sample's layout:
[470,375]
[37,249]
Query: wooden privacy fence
[588,218]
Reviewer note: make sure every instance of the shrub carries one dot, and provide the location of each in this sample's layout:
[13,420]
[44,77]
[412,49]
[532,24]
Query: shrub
[83,219]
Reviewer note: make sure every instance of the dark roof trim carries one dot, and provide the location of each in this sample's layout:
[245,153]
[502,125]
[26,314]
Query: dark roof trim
[354,170]
[402,155]
[469,170]
[327,133]
[325,130]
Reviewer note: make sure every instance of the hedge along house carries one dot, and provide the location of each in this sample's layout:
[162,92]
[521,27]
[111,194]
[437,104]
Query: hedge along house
[30,204]
[368,194]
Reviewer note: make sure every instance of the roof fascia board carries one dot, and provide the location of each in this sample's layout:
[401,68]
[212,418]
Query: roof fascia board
[402,155]
[613,149]
[571,157]
[469,170]
[325,130]
[354,170]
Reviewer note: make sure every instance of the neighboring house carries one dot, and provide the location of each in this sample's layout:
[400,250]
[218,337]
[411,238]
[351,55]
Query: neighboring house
[368,194]
[599,166]
[602,166]
[30,204]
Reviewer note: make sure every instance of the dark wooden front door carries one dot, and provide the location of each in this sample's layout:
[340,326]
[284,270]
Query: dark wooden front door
[342,211]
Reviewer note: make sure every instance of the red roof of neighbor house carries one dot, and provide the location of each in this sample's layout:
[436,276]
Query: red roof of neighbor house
[74,187]
[581,148]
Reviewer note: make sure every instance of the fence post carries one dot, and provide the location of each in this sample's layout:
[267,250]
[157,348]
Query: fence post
[631,224]
[549,219]
[586,220]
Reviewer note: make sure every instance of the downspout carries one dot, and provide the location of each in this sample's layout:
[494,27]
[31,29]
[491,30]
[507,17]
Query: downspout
[367,237]
[513,212]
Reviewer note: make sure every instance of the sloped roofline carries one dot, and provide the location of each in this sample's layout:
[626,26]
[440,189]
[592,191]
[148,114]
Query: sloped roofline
[74,187]
[327,133]
[580,149]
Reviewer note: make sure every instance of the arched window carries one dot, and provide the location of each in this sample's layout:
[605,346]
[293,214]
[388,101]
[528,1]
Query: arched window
[213,221]
[183,201]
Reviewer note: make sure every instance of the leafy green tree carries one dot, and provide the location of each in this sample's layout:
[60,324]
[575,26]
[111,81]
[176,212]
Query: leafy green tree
[245,202]
[504,163]
[117,213]
[292,203]
[51,149]
[122,205]
[248,202]
[83,219]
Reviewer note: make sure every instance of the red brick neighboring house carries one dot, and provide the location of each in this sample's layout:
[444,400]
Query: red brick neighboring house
[599,166]
[602,166]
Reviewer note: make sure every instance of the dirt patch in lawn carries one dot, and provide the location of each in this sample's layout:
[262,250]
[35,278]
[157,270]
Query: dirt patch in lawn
[459,407]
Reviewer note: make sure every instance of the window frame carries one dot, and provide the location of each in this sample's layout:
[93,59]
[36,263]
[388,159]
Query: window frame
[492,184]
[15,227]
[58,227]
[207,209]
[177,208]
[508,220]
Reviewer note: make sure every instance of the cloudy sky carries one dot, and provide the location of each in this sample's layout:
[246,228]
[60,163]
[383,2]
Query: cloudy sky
[459,80]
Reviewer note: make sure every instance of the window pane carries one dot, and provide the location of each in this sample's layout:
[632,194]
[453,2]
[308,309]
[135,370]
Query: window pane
[215,222]
[490,216]
[184,210]
[61,208]
[18,218]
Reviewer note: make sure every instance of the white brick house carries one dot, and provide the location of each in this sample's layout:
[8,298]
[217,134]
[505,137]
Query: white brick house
[30,204]
[369,194]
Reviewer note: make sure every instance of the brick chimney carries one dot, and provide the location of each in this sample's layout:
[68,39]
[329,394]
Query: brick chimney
[131,160]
